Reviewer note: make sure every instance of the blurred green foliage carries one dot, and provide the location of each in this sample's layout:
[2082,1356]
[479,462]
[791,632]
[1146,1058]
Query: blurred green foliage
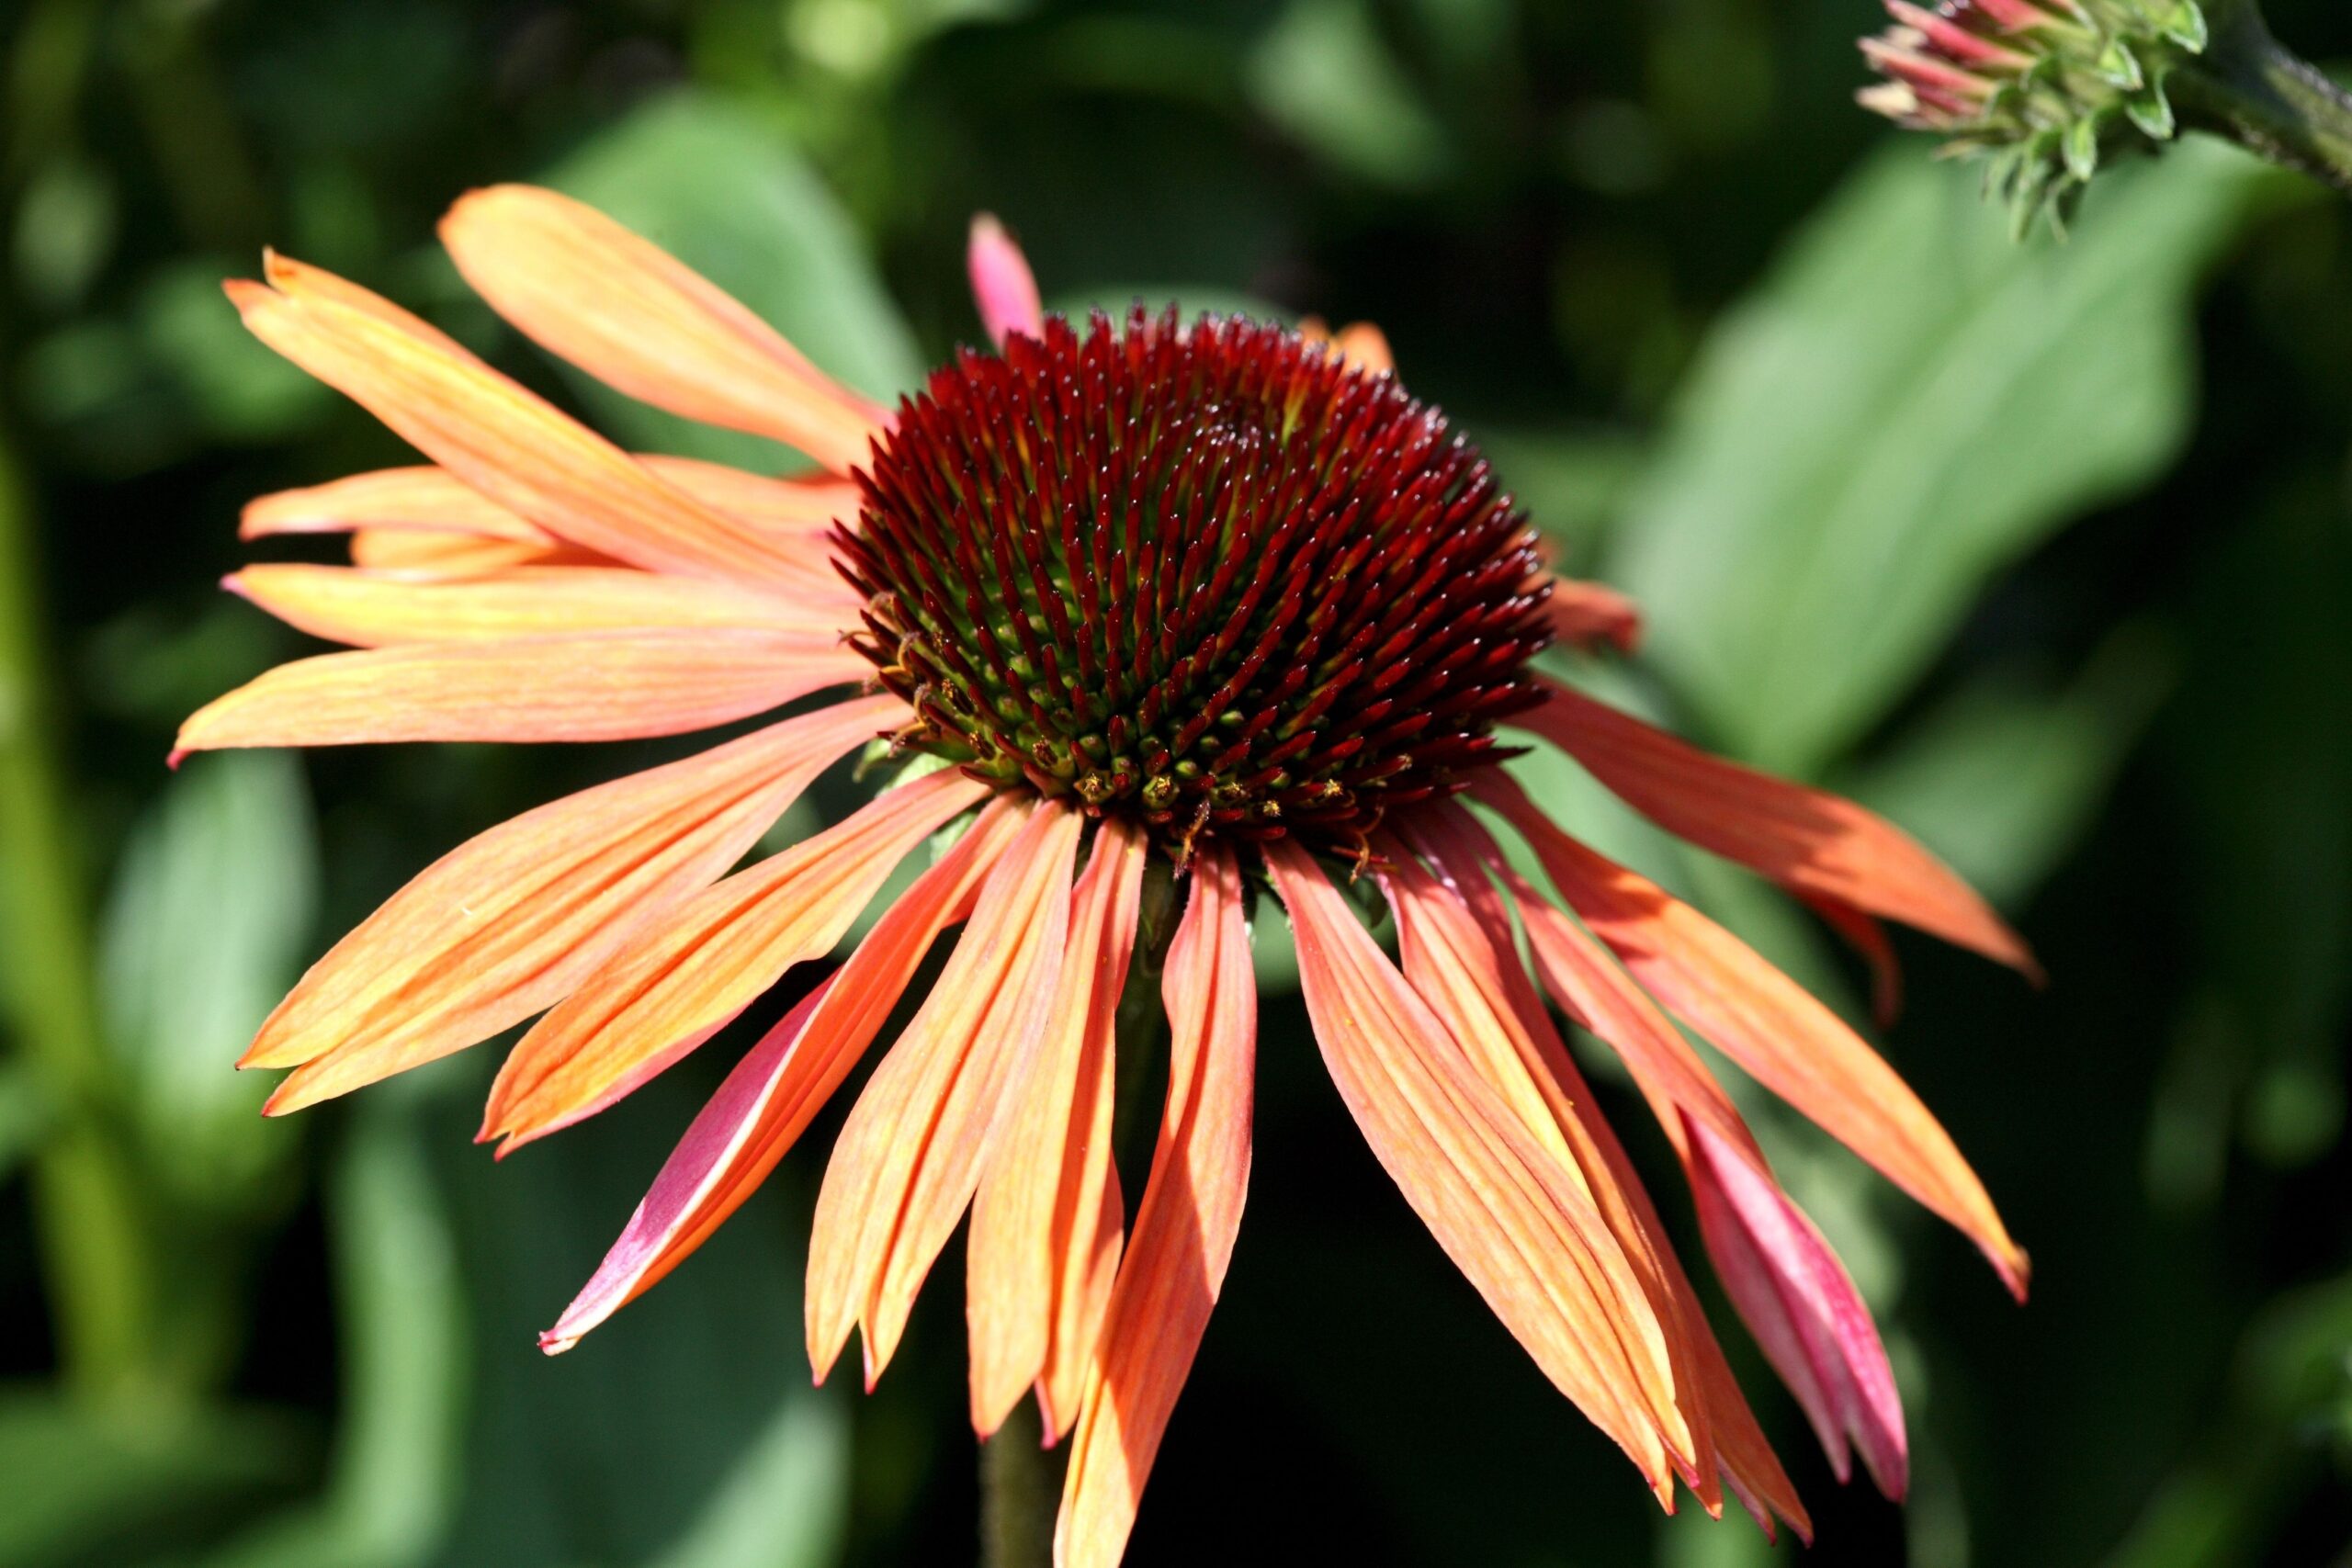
[2045,549]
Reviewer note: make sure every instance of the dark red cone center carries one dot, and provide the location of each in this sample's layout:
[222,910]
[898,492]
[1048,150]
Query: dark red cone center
[1204,575]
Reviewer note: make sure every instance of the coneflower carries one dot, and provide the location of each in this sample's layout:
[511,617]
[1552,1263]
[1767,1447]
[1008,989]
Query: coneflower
[1149,611]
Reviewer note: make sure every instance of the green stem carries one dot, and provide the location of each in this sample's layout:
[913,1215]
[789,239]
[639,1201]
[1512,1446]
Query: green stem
[1017,1486]
[97,1259]
[2249,88]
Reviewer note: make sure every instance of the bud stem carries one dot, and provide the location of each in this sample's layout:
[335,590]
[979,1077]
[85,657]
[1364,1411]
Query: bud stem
[2249,88]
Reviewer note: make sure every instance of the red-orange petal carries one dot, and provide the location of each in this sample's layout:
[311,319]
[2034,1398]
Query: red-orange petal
[510,921]
[909,1157]
[677,981]
[1771,1026]
[1036,1248]
[592,686]
[1460,850]
[1175,1264]
[1588,616]
[635,317]
[1807,839]
[767,1101]
[1528,1239]
[502,441]
[374,609]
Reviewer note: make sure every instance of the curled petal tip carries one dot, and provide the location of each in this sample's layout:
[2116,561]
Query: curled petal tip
[555,1341]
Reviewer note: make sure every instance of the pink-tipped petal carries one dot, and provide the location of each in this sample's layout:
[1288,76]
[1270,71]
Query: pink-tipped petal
[1002,285]
[767,1101]
[1798,1300]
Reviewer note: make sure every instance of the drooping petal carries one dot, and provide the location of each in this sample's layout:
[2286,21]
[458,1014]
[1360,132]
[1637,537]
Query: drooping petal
[593,686]
[510,921]
[1803,1310]
[1588,616]
[1528,1238]
[711,956]
[1035,1248]
[635,317]
[1771,1026]
[1808,840]
[1592,987]
[909,1157]
[1460,850]
[504,441]
[1002,285]
[767,1101]
[1453,967]
[1175,1267]
[373,609]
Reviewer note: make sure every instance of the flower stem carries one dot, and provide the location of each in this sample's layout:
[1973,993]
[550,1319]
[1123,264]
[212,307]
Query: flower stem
[2248,87]
[1017,1503]
[97,1255]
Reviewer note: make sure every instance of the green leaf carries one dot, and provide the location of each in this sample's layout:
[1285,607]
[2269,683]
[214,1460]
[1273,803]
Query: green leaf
[2002,779]
[1324,74]
[727,194]
[1907,404]
[401,1308]
[206,927]
[81,1485]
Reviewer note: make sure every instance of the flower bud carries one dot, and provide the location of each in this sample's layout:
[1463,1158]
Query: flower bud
[2045,88]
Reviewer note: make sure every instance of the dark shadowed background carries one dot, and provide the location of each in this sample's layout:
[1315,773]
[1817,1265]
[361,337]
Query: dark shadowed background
[2043,548]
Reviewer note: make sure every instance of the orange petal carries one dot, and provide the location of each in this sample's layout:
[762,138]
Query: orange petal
[418,497]
[636,317]
[513,920]
[422,554]
[784,505]
[1486,1007]
[1525,1235]
[1002,285]
[370,609]
[1460,850]
[432,498]
[1587,616]
[1036,1243]
[300,280]
[593,686]
[768,1099]
[1810,841]
[1359,344]
[710,958]
[909,1157]
[1770,1025]
[1168,1281]
[502,441]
